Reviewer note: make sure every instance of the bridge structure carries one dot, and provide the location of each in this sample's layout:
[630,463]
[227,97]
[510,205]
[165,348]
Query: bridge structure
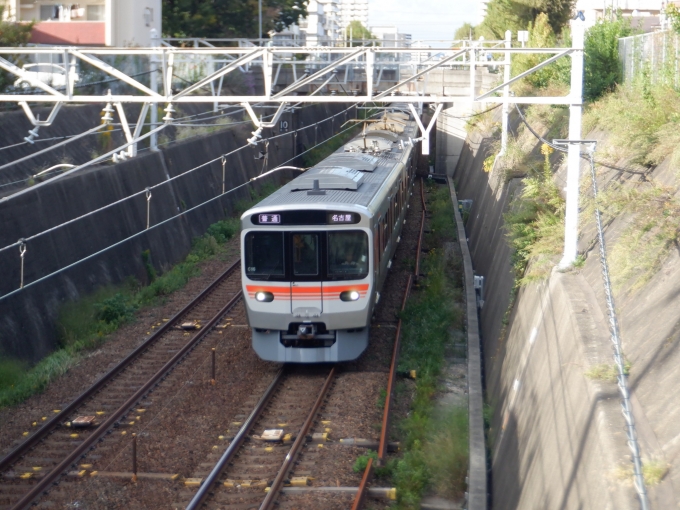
[378,75]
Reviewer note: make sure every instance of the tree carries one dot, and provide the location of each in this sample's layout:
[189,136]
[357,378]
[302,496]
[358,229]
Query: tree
[602,68]
[358,32]
[12,34]
[467,31]
[502,15]
[541,35]
[514,15]
[228,18]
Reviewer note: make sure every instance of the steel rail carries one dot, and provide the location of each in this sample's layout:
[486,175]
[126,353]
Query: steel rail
[110,422]
[226,458]
[62,416]
[420,242]
[382,445]
[382,448]
[271,496]
[367,478]
[422,228]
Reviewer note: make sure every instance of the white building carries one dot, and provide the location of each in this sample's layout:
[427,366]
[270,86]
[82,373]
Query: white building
[95,23]
[351,10]
[390,37]
[644,14]
[319,28]
[424,54]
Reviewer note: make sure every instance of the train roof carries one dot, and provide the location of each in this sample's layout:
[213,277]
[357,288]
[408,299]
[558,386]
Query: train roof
[349,178]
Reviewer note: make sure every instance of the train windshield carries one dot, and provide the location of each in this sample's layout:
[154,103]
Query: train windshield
[347,255]
[305,254]
[264,255]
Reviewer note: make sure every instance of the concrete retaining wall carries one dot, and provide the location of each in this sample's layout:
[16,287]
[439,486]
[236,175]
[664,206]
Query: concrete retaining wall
[27,318]
[556,437]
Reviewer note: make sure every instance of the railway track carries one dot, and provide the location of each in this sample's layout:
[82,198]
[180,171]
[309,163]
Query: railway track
[246,469]
[362,492]
[270,456]
[263,449]
[55,446]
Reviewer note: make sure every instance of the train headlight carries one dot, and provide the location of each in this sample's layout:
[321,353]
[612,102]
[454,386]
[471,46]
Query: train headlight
[263,296]
[350,295]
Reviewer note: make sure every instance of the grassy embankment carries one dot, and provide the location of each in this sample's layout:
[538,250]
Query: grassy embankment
[84,324]
[642,126]
[434,441]
[638,125]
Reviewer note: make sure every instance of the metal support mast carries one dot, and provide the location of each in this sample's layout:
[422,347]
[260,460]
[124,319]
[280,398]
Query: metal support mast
[574,151]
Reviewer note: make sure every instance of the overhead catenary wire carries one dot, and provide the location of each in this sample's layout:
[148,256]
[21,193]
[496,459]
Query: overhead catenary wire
[49,139]
[52,147]
[52,229]
[84,165]
[152,227]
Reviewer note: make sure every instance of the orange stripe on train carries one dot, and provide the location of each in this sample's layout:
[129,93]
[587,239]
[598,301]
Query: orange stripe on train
[297,290]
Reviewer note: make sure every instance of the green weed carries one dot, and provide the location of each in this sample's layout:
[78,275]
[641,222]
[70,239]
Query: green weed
[382,397]
[379,471]
[535,224]
[653,472]
[652,231]
[607,371]
[446,453]
[11,372]
[427,320]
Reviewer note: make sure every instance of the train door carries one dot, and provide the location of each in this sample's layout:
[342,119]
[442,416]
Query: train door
[305,285]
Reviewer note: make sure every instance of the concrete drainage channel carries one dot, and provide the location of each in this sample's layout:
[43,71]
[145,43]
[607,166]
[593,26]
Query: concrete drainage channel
[477,495]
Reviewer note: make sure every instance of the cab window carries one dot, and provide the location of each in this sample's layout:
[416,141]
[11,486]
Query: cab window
[347,255]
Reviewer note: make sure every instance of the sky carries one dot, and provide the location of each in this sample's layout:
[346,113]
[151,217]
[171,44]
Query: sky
[424,19]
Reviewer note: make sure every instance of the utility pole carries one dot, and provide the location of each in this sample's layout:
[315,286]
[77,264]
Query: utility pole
[153,81]
[259,18]
[574,150]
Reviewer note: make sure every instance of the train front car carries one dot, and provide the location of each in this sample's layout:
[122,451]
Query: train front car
[310,256]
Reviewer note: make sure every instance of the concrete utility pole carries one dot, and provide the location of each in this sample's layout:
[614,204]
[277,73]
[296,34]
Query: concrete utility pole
[574,150]
[153,82]
[259,19]
[506,93]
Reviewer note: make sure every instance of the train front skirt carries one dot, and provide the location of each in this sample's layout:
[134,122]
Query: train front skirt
[332,346]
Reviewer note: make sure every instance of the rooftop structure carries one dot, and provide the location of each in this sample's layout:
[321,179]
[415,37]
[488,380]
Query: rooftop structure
[390,37]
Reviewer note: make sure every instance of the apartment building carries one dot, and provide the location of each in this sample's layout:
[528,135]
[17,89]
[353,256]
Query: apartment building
[94,23]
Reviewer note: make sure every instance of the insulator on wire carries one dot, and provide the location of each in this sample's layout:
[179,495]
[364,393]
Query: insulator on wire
[169,110]
[108,114]
[32,135]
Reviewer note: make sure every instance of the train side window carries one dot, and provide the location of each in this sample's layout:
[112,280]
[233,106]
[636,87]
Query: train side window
[376,247]
[385,237]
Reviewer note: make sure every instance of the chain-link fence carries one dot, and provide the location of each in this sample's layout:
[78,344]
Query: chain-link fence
[656,53]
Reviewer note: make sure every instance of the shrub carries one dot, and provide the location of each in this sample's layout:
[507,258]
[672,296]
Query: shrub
[602,68]
[116,309]
[541,35]
[223,230]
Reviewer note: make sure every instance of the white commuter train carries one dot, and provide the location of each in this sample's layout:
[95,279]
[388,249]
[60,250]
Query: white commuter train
[316,252]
